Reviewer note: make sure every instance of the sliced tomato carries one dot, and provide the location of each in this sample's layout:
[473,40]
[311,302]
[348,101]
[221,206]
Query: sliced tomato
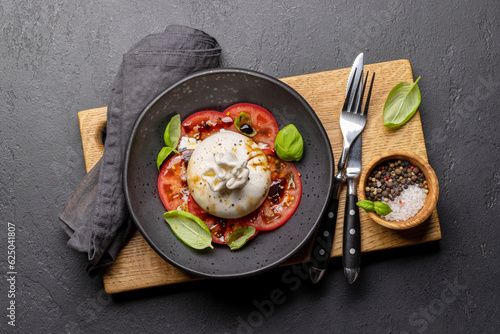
[262,121]
[285,191]
[172,182]
[220,229]
[202,124]
[283,197]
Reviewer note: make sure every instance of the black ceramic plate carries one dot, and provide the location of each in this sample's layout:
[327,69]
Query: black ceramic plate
[217,90]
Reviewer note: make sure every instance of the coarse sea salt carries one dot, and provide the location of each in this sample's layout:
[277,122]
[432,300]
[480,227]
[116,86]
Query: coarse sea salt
[407,204]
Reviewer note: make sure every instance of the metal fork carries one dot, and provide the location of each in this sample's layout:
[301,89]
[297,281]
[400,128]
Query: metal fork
[352,123]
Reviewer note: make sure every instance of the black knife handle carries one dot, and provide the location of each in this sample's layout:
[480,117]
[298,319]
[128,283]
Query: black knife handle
[323,242]
[351,245]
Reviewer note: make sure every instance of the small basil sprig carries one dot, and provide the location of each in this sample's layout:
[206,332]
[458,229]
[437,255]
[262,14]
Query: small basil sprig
[189,228]
[289,144]
[240,236]
[366,205]
[380,207]
[401,104]
[171,138]
[244,125]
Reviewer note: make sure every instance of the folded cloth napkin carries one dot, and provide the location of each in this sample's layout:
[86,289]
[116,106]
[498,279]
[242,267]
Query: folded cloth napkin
[96,217]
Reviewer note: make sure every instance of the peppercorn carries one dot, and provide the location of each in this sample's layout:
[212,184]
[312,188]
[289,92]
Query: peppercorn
[389,179]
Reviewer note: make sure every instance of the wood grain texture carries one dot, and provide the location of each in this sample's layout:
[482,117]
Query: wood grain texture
[92,125]
[138,266]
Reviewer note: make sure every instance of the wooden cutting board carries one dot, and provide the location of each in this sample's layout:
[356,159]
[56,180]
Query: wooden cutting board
[138,266]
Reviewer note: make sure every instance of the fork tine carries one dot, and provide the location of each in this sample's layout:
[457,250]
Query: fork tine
[353,106]
[369,94]
[361,94]
[349,91]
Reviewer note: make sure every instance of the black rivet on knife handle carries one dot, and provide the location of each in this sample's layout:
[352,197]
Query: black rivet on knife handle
[351,248]
[323,241]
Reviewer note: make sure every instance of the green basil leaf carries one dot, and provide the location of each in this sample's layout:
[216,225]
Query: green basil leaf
[366,205]
[171,137]
[189,228]
[289,144]
[173,132]
[244,119]
[382,209]
[163,155]
[401,104]
[240,236]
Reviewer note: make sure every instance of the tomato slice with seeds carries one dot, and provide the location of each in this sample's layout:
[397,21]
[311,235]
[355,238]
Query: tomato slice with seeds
[262,121]
[283,198]
[202,124]
[172,182]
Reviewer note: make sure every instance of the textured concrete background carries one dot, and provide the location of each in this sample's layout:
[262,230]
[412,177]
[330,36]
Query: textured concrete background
[59,57]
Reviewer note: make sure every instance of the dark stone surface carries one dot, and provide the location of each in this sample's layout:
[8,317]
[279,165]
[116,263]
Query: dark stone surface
[59,57]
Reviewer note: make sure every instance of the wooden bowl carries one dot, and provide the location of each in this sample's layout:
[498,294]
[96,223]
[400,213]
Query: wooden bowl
[432,184]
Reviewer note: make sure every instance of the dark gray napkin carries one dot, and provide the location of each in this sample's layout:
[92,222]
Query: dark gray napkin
[96,217]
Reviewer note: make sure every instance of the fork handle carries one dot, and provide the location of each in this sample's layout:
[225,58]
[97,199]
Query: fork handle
[351,245]
[323,242]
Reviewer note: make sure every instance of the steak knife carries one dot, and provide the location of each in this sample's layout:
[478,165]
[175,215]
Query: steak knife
[351,243]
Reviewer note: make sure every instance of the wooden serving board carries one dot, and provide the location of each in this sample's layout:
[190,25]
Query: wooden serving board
[138,266]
